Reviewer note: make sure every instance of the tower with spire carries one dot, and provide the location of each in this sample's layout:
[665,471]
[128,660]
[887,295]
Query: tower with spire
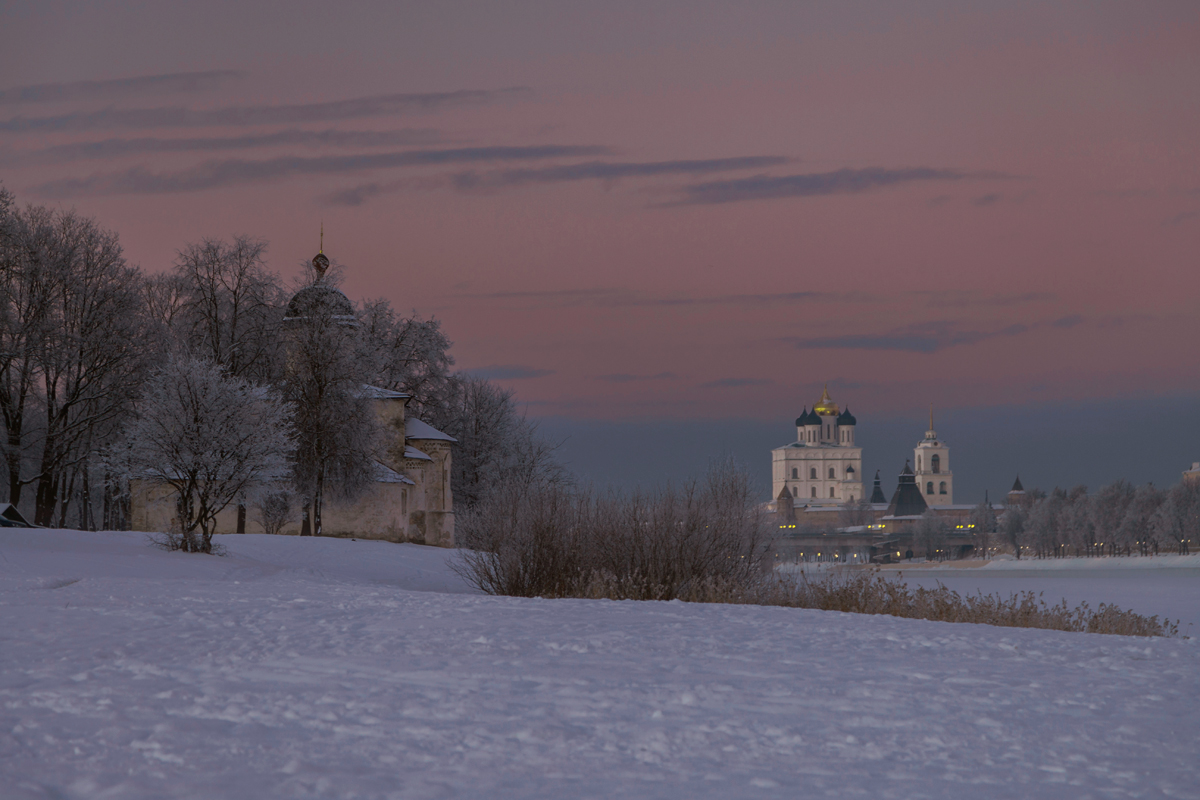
[823,467]
[931,459]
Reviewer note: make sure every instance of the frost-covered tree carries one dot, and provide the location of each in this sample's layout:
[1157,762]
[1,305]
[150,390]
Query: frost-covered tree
[410,355]
[1012,527]
[929,534]
[211,437]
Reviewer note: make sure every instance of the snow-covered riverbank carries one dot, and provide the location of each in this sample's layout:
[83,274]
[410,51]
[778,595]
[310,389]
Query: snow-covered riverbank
[331,668]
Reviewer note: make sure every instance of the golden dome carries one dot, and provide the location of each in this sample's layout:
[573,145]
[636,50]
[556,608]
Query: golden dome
[825,407]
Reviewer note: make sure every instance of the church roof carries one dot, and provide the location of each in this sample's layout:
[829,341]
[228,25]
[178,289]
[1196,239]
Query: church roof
[385,474]
[379,393]
[846,418]
[1017,487]
[907,500]
[877,495]
[320,297]
[412,452]
[416,429]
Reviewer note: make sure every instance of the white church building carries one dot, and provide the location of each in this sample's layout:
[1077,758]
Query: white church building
[823,467]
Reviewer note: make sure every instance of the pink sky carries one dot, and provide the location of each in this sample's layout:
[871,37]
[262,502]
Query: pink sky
[966,203]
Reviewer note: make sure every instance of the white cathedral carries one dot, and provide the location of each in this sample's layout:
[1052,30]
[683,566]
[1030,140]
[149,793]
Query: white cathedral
[823,467]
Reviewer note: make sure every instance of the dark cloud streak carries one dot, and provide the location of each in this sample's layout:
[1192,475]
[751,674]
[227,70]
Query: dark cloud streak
[173,83]
[231,172]
[121,148]
[816,184]
[179,117]
[593,170]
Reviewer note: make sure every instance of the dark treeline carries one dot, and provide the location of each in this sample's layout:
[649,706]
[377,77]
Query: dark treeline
[82,332]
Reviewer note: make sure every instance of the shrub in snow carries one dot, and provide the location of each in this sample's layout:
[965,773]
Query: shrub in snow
[544,538]
[212,438]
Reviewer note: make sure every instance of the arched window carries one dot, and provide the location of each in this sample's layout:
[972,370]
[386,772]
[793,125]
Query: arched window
[831,491]
[795,473]
[929,488]
[918,463]
[832,474]
[812,475]
[851,498]
[936,464]
[942,487]
[827,430]
[814,492]
[795,492]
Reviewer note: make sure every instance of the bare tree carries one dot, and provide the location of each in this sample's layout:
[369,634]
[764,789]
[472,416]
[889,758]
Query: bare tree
[983,527]
[91,347]
[231,306]
[212,438]
[275,510]
[24,299]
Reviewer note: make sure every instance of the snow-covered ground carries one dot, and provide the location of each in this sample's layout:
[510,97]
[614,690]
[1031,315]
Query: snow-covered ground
[330,668]
[1166,586]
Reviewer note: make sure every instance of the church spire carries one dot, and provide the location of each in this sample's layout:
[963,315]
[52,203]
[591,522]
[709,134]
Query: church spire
[320,262]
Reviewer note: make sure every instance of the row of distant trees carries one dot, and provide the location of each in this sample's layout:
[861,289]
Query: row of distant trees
[91,347]
[1120,517]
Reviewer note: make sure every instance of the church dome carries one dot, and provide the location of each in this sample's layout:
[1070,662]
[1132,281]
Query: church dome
[846,418]
[807,419]
[825,407]
[320,297]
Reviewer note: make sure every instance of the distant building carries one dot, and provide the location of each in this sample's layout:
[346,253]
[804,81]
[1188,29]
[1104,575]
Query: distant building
[1192,476]
[933,475]
[409,500]
[823,467]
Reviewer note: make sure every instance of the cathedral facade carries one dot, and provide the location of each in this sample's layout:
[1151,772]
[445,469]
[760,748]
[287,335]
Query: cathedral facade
[823,467]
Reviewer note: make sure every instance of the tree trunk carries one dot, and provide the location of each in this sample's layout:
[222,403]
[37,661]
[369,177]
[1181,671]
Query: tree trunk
[46,499]
[318,502]
[241,518]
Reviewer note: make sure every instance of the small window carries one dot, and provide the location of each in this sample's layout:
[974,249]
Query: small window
[918,463]
[942,487]
[831,491]
[929,488]
[812,475]
[814,492]
[826,430]
[795,492]
[851,498]
[832,474]
[935,464]
[795,473]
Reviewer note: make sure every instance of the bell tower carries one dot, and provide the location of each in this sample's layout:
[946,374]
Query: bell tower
[933,476]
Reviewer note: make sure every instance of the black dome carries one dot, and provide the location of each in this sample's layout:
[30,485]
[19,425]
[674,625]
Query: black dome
[320,298]
[802,420]
[846,418]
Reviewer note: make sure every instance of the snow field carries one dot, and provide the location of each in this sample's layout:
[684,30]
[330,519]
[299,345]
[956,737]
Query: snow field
[329,668]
